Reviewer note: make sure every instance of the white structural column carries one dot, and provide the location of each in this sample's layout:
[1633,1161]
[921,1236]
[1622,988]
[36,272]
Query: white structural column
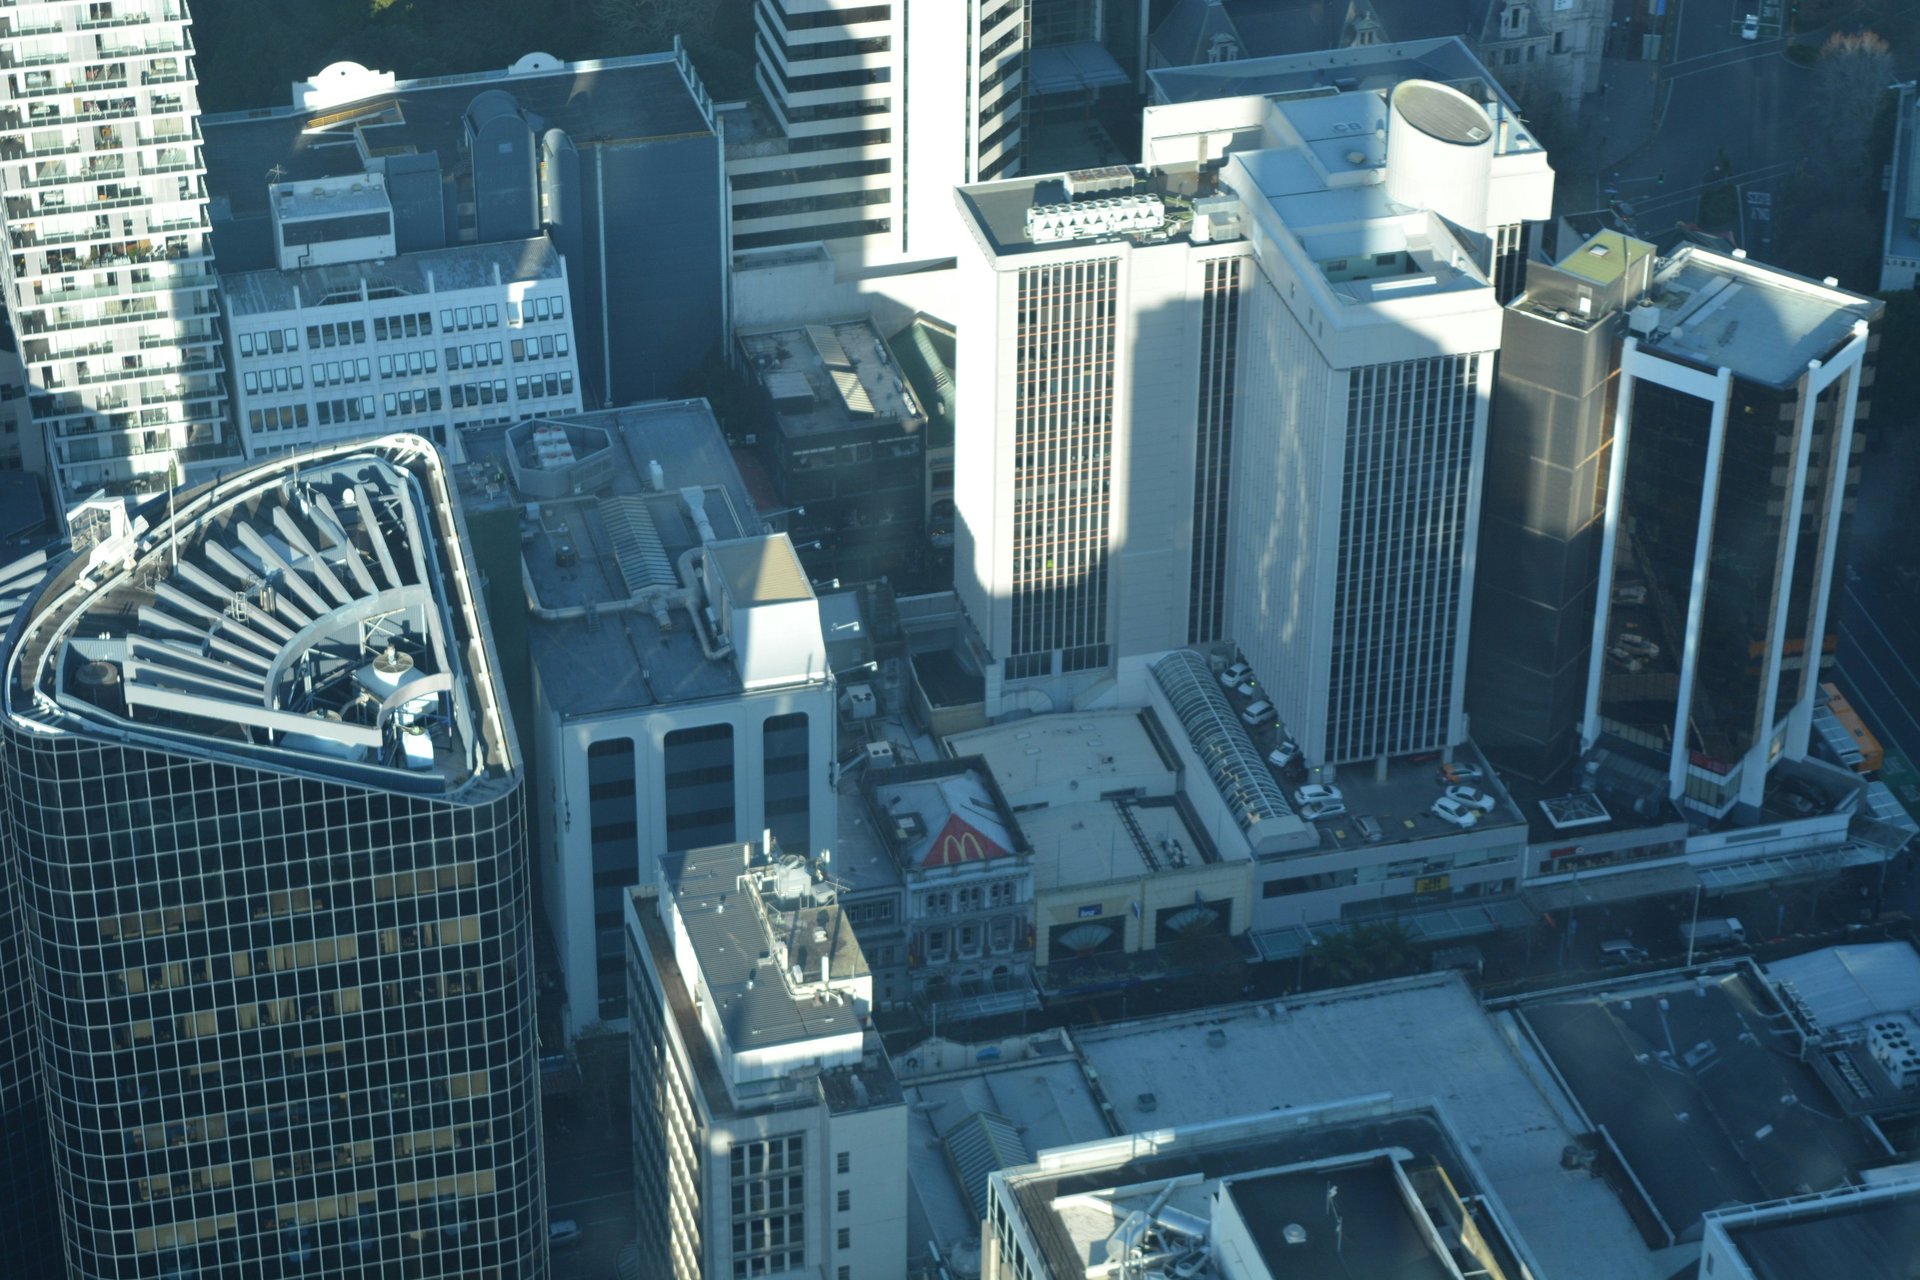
[1847,364]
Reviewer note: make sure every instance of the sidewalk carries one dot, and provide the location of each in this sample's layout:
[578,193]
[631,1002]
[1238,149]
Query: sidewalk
[1615,125]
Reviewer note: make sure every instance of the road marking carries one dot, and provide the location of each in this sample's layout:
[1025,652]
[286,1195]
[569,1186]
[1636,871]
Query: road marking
[574,1204]
[1730,62]
[1867,613]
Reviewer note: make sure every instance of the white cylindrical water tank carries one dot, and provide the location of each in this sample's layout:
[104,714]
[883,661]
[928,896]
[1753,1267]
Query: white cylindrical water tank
[1439,152]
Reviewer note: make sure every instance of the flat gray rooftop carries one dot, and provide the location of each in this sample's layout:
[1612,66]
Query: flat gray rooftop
[730,935]
[620,98]
[1698,1084]
[1100,750]
[1762,323]
[1415,1038]
[425,273]
[623,659]
[1091,843]
[825,378]
[1877,1239]
[1444,60]
[1046,1097]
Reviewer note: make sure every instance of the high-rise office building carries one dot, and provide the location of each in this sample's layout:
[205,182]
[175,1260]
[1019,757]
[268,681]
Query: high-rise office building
[769,1132]
[1544,504]
[582,152]
[850,148]
[430,342]
[111,286]
[1733,438]
[678,681]
[1096,395]
[30,1230]
[1243,397]
[264,805]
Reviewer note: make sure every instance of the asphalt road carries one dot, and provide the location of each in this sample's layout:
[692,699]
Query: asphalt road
[589,1180]
[1722,94]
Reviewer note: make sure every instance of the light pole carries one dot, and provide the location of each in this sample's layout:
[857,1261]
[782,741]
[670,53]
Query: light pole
[1695,924]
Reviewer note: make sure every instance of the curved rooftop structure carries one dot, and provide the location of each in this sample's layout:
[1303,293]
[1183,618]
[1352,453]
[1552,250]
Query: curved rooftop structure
[1233,763]
[315,613]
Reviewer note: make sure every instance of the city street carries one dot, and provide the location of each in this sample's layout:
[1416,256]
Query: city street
[589,1181]
[1735,98]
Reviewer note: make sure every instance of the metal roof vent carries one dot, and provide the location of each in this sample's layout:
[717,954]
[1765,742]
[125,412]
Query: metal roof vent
[1293,1233]
[392,663]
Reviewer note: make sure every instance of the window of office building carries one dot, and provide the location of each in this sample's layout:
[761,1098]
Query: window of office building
[785,780]
[612,815]
[1403,515]
[1654,550]
[1219,340]
[768,1205]
[1063,437]
[699,787]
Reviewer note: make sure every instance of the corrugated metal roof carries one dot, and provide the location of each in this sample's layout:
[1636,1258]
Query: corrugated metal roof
[637,548]
[1844,985]
[979,1144]
[832,354]
[852,392]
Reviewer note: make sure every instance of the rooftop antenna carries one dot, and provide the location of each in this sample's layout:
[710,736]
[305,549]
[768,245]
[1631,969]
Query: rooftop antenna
[1333,1211]
[275,174]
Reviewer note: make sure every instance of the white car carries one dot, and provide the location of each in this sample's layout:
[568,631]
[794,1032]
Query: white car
[1234,674]
[562,1232]
[1637,645]
[1750,27]
[1259,713]
[1626,659]
[1447,809]
[1322,810]
[1285,754]
[1318,793]
[1475,799]
[1634,593]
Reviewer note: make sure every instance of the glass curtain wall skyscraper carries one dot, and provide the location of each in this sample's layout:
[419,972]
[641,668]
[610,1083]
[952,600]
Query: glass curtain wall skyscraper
[110,281]
[1733,437]
[265,810]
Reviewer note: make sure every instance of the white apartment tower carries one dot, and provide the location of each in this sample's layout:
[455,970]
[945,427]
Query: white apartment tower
[856,152]
[110,276]
[1242,398]
[769,1131]
[1366,372]
[1096,389]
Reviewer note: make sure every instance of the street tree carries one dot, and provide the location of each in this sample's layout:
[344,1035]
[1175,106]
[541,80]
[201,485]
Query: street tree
[1849,85]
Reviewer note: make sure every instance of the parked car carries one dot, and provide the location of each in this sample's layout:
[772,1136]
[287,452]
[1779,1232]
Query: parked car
[1321,810]
[1632,593]
[1619,951]
[1234,674]
[1318,793]
[1472,797]
[1283,755]
[1750,27]
[1247,687]
[1626,659]
[1259,713]
[562,1232]
[1447,809]
[1460,771]
[1637,645]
